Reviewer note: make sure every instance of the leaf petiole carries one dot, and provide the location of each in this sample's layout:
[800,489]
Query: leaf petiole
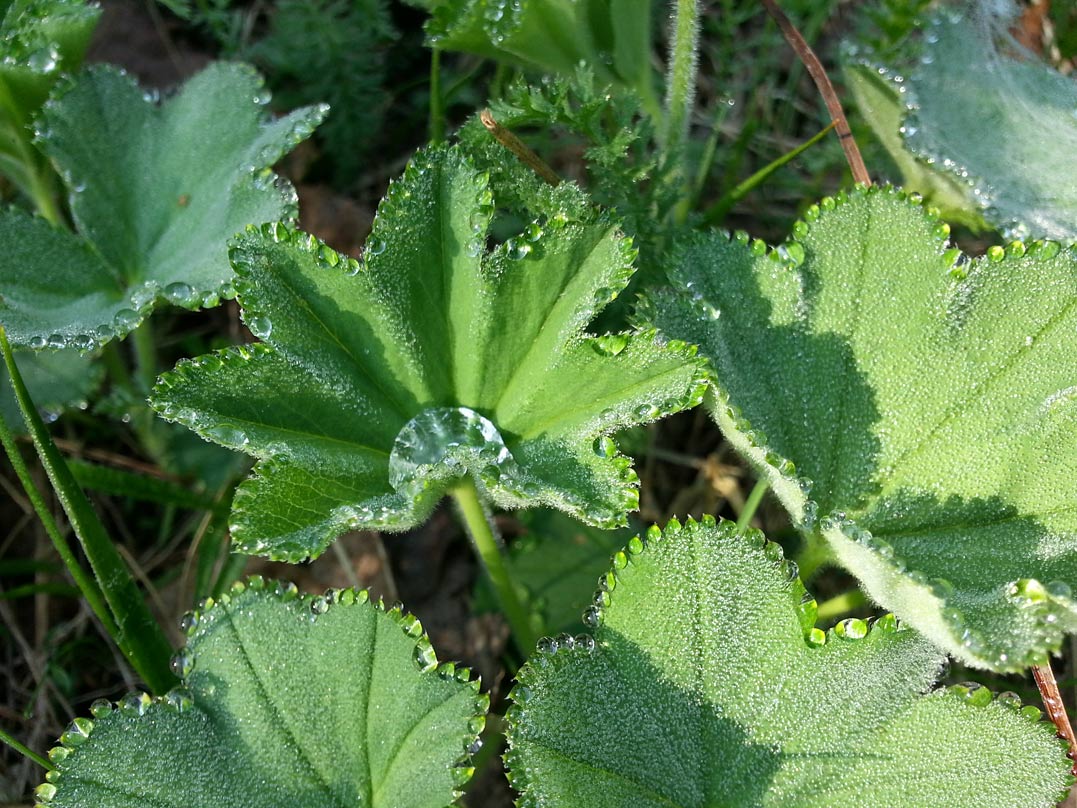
[479,527]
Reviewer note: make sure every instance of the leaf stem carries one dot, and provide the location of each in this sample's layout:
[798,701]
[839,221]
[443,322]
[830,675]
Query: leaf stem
[751,505]
[137,633]
[716,212]
[437,100]
[680,94]
[43,198]
[26,751]
[1056,710]
[681,82]
[815,553]
[841,605]
[507,139]
[475,517]
[826,90]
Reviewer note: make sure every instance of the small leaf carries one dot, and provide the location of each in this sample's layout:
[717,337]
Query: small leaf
[378,385]
[878,97]
[611,37]
[977,110]
[57,380]
[155,192]
[911,405]
[286,700]
[707,685]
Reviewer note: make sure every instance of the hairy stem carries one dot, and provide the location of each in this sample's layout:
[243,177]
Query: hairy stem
[483,537]
[26,751]
[826,90]
[680,95]
[1056,710]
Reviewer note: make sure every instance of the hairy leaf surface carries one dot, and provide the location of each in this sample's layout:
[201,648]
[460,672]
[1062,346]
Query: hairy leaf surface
[379,385]
[985,114]
[286,700]
[156,191]
[705,684]
[928,396]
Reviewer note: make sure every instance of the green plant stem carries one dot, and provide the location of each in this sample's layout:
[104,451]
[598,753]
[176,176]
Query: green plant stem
[145,356]
[43,198]
[231,570]
[479,527]
[815,554]
[751,505]
[840,605]
[680,94]
[716,212]
[437,101]
[86,584]
[139,636]
[26,751]
[681,83]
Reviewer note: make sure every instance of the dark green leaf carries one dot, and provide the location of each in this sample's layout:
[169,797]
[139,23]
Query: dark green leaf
[286,700]
[705,684]
[928,396]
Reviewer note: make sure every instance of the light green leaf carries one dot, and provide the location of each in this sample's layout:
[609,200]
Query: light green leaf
[286,700]
[995,120]
[930,399]
[56,380]
[380,384]
[878,97]
[705,684]
[612,37]
[156,190]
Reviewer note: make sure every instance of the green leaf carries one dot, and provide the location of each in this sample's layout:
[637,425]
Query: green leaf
[156,190]
[40,40]
[928,396]
[705,684]
[57,380]
[878,97]
[612,37]
[380,384]
[978,107]
[286,700]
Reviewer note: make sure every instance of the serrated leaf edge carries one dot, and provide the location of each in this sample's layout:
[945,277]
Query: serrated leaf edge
[136,703]
[794,491]
[970,694]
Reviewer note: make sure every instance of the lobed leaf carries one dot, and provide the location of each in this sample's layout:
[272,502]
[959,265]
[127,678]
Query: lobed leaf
[156,190]
[976,109]
[928,396]
[706,684]
[286,700]
[378,385]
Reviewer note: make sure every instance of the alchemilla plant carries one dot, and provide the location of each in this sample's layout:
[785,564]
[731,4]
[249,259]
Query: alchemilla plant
[508,341]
